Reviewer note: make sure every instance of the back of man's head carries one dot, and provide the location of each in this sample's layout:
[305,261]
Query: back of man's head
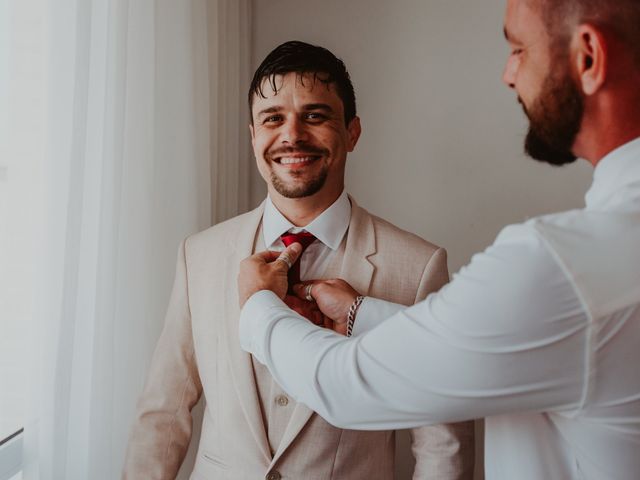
[302,58]
[615,17]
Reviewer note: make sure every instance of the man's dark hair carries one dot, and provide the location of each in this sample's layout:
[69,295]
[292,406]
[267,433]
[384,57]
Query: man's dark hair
[302,58]
[620,17]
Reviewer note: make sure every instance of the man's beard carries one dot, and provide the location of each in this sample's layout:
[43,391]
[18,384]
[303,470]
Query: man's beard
[307,189]
[311,186]
[554,121]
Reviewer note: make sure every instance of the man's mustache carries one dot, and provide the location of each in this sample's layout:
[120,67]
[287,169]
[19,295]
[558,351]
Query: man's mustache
[300,149]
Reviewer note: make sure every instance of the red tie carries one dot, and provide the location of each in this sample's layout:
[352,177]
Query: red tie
[303,238]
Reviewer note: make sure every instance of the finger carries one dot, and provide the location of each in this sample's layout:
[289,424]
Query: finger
[289,256]
[283,261]
[308,295]
[293,251]
[301,289]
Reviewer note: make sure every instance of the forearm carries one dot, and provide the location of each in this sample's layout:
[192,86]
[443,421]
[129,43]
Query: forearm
[469,351]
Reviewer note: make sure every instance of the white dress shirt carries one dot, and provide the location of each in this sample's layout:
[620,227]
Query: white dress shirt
[329,228]
[540,334]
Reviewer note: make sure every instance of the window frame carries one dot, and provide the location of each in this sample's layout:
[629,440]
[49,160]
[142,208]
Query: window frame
[11,455]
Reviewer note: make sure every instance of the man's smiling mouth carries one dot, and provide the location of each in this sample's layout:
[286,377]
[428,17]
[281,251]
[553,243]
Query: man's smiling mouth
[299,156]
[295,160]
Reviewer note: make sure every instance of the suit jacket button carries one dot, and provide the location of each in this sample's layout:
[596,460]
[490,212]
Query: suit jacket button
[282,400]
[274,475]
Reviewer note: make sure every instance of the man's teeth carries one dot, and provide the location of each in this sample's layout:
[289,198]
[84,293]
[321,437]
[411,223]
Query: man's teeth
[293,160]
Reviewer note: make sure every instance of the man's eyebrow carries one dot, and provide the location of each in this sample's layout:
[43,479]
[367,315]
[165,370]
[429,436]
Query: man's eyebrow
[273,109]
[318,106]
[308,107]
[506,33]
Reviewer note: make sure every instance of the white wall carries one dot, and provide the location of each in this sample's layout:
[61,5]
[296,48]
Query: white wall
[441,149]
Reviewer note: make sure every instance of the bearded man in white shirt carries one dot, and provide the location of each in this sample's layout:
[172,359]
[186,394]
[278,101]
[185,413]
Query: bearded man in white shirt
[541,332]
[304,124]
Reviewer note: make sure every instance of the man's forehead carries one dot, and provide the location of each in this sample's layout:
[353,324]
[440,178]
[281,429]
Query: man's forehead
[521,17]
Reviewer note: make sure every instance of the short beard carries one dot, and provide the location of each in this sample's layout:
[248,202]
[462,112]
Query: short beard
[554,121]
[309,188]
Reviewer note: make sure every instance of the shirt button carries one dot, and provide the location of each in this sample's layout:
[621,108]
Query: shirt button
[274,475]
[283,401]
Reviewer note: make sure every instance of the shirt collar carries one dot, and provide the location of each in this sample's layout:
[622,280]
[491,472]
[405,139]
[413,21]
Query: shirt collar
[329,227]
[616,178]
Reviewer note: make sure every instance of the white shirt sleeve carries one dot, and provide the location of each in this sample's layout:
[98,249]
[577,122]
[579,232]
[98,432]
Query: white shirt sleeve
[372,312]
[509,333]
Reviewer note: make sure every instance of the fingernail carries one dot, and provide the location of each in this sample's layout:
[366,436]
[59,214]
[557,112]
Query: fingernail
[296,247]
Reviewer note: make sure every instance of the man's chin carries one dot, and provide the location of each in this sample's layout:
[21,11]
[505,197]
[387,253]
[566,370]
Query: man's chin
[543,151]
[298,189]
[292,193]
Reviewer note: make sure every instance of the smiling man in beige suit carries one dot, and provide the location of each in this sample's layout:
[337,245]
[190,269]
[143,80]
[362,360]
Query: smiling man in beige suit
[303,125]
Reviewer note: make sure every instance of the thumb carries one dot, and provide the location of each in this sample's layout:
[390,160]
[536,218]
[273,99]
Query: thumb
[294,250]
[288,257]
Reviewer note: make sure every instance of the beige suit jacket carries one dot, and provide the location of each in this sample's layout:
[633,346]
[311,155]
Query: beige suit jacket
[198,352]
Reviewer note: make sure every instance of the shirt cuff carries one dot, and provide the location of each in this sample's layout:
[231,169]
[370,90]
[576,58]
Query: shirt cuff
[373,312]
[253,321]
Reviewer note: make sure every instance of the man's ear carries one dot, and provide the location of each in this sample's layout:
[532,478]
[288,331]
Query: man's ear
[590,56]
[354,129]
[253,134]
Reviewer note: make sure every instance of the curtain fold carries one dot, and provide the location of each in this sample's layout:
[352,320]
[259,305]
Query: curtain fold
[136,129]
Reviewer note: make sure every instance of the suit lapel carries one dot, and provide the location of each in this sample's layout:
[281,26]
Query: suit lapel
[358,271]
[357,266]
[240,247]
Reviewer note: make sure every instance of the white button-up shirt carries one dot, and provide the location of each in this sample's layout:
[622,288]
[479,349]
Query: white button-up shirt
[540,334]
[329,228]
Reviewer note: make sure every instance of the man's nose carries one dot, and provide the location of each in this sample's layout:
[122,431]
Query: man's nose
[294,131]
[509,73]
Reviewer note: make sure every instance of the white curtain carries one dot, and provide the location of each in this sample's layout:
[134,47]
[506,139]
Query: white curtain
[142,134]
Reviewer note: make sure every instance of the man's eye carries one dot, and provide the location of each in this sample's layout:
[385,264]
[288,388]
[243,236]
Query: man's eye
[272,119]
[314,116]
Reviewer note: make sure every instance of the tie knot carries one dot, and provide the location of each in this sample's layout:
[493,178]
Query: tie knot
[303,238]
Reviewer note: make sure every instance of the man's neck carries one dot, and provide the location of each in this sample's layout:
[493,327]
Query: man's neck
[605,139]
[610,120]
[302,211]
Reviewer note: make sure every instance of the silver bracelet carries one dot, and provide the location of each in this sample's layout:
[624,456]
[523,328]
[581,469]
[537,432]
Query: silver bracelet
[351,316]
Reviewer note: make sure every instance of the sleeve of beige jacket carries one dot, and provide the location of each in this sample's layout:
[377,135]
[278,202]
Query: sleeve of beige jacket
[444,451]
[161,430]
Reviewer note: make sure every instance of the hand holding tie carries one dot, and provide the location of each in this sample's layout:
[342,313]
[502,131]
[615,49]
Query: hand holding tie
[266,271]
[323,302]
